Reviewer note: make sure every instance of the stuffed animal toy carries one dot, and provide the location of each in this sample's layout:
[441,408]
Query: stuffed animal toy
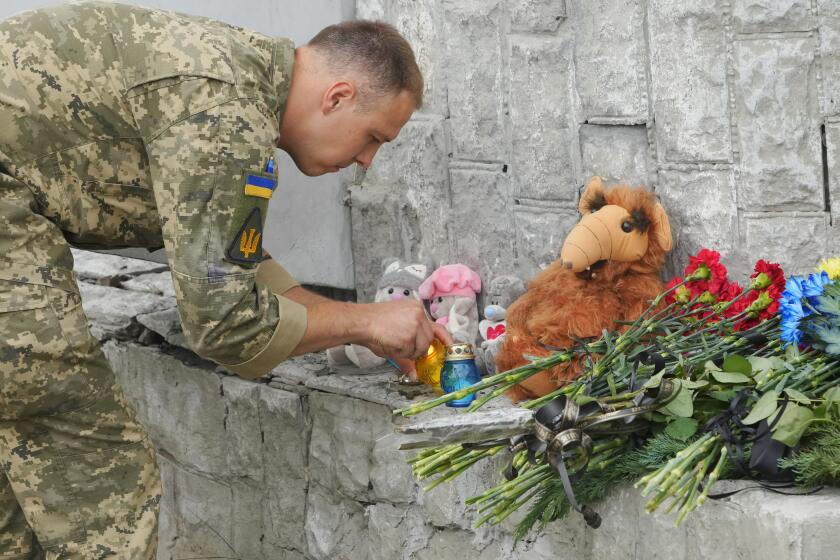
[399,280]
[502,291]
[451,291]
[608,271]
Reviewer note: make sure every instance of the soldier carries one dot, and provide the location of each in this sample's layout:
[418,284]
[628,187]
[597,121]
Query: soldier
[127,127]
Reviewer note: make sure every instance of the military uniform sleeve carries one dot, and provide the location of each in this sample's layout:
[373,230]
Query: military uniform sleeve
[212,189]
[277,278]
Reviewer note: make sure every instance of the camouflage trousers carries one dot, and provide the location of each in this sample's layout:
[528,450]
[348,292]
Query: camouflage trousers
[78,477]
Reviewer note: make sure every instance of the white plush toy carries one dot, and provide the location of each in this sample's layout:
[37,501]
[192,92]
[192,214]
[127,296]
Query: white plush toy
[502,292]
[399,281]
[451,291]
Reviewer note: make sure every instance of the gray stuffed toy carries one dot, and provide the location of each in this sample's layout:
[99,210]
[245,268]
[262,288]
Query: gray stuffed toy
[399,281]
[502,292]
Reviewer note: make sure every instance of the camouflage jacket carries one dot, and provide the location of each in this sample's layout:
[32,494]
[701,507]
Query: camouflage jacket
[142,128]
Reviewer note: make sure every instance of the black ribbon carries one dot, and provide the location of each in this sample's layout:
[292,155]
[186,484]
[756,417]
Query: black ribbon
[763,467]
[562,433]
[646,358]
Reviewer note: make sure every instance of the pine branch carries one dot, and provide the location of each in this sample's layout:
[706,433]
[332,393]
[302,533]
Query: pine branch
[818,462]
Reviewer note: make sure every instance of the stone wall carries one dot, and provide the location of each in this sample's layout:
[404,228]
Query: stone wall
[304,463]
[729,109]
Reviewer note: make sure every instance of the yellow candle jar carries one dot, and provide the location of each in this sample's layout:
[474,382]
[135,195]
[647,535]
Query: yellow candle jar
[429,366]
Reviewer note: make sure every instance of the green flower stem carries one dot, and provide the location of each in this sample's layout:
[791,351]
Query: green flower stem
[422,454]
[474,455]
[770,379]
[470,457]
[502,515]
[830,383]
[511,376]
[808,383]
[424,470]
[685,492]
[437,452]
[675,480]
[657,477]
[782,383]
[713,477]
[673,491]
[644,319]
[520,460]
[604,463]
[484,399]
[602,365]
[499,501]
[600,448]
[461,467]
[691,502]
[568,390]
[689,461]
[500,488]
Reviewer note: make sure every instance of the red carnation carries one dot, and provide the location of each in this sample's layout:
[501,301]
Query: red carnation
[730,291]
[775,294]
[674,296]
[760,305]
[772,275]
[708,257]
[718,273]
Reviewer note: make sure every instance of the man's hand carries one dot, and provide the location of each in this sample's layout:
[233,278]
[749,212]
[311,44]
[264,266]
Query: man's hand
[394,329]
[399,329]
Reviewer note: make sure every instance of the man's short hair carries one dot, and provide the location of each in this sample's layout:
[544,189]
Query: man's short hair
[377,50]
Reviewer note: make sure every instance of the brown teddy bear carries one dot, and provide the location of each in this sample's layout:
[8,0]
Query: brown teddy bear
[608,271]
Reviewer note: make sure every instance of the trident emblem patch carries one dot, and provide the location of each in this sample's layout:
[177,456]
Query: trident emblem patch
[246,245]
[249,242]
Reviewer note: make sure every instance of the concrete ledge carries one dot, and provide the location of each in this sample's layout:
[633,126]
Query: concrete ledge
[270,473]
[306,464]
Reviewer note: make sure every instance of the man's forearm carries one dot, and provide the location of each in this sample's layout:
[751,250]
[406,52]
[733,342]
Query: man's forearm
[330,323]
[399,329]
[305,297]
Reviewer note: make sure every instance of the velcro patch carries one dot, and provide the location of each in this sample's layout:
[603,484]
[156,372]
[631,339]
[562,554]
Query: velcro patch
[246,245]
[259,185]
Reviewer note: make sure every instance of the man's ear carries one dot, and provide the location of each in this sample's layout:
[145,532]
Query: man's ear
[338,95]
[592,198]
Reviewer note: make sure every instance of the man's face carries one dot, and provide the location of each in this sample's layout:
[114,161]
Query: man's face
[341,132]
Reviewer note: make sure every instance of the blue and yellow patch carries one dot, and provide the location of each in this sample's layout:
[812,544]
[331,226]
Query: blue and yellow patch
[259,185]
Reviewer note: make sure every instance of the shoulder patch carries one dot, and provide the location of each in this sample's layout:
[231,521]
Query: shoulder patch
[258,184]
[246,245]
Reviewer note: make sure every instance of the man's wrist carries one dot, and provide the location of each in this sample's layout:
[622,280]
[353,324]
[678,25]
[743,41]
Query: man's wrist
[358,317]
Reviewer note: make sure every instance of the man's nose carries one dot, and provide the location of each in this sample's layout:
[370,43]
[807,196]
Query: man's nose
[365,157]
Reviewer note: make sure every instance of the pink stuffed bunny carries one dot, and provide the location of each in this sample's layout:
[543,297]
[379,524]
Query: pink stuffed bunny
[451,291]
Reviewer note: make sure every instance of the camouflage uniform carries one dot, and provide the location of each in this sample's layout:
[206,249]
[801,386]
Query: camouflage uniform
[121,126]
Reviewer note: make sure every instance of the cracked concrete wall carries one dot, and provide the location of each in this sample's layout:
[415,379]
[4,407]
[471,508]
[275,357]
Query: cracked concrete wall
[304,464]
[728,109]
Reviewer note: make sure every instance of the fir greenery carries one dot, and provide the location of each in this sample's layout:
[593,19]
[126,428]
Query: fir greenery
[818,461]
[551,503]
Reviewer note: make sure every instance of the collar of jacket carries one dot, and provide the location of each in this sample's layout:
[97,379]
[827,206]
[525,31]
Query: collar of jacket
[283,60]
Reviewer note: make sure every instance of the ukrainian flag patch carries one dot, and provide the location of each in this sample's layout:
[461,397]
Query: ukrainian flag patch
[259,185]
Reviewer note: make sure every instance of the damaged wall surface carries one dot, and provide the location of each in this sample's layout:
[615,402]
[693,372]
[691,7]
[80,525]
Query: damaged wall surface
[728,109]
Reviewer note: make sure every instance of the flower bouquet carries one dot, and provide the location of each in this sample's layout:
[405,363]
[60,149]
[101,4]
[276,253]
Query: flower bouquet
[712,381]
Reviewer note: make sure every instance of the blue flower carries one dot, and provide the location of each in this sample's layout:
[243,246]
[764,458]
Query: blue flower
[815,284]
[794,288]
[793,310]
